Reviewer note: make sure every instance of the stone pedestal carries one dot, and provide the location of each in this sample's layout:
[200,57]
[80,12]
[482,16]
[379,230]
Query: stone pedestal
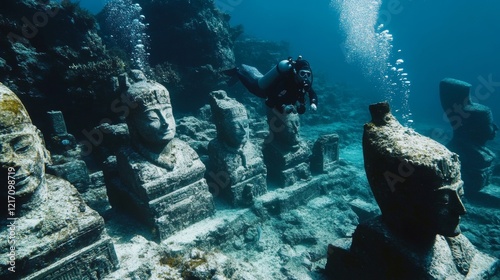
[239,177]
[286,155]
[325,153]
[377,252]
[286,167]
[62,239]
[167,200]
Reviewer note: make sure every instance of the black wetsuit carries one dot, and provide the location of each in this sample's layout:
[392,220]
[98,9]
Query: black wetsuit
[283,91]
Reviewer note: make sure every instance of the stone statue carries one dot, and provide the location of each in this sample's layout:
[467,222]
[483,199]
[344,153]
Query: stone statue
[236,170]
[43,216]
[473,126]
[285,154]
[161,176]
[416,183]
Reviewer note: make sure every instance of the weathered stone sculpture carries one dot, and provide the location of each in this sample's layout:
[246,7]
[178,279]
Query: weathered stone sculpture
[161,176]
[416,183]
[60,140]
[66,162]
[325,153]
[236,169]
[285,154]
[473,126]
[48,231]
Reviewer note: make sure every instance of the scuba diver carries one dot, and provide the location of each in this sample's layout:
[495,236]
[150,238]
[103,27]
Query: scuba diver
[284,87]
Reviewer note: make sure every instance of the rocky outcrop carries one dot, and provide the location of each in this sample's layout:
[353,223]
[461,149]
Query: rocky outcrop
[51,55]
[188,41]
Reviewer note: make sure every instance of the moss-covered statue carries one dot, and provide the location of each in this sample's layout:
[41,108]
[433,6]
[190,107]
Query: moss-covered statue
[49,232]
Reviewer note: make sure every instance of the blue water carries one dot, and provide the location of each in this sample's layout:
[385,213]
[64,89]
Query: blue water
[436,39]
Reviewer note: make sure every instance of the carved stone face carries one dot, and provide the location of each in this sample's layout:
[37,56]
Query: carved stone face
[284,127]
[292,127]
[446,209]
[155,125]
[236,131]
[24,151]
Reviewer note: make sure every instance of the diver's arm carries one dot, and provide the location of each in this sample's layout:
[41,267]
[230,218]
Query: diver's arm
[313,99]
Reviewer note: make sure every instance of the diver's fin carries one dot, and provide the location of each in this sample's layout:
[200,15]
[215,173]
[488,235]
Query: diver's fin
[231,72]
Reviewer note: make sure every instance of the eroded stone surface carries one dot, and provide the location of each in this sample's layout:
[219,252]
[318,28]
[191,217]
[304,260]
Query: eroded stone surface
[236,169]
[416,182]
[286,155]
[159,178]
[49,227]
[473,126]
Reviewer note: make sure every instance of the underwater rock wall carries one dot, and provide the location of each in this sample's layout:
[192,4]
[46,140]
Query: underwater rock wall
[51,55]
[190,41]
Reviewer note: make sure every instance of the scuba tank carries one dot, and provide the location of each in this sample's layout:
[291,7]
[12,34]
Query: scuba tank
[282,67]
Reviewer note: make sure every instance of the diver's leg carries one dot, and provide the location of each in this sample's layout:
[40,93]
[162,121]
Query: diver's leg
[251,83]
[249,77]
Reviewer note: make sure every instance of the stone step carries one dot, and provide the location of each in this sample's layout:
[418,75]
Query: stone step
[228,223]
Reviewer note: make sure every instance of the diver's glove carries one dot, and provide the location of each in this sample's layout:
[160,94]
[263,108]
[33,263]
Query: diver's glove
[314,107]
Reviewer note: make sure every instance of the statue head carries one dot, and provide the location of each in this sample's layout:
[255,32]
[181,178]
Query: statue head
[22,149]
[231,119]
[470,121]
[478,127]
[151,123]
[415,180]
[284,128]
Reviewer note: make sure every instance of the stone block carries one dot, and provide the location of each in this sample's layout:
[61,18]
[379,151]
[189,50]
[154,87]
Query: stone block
[325,153]
[57,124]
[75,172]
[92,262]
